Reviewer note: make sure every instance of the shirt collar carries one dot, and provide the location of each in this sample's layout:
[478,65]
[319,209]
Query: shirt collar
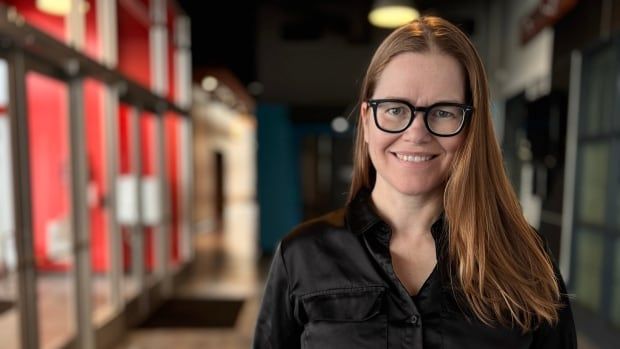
[361,217]
[360,214]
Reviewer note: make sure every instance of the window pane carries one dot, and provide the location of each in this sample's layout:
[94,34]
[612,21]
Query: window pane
[592,184]
[589,268]
[48,113]
[615,158]
[150,208]
[99,235]
[599,92]
[615,301]
[126,202]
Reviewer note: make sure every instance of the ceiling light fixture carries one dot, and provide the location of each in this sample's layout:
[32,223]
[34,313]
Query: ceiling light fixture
[392,13]
[60,7]
[209,83]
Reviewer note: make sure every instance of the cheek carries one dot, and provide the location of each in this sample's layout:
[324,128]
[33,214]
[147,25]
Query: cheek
[378,141]
[452,144]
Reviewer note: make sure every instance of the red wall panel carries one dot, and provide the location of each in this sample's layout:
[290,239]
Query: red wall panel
[133,41]
[172,144]
[96,173]
[46,100]
[51,24]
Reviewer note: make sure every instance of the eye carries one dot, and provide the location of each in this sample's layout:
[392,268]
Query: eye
[395,111]
[442,114]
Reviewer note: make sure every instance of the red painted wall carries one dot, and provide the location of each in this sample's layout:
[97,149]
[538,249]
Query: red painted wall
[172,135]
[49,97]
[149,167]
[171,125]
[96,149]
[124,163]
[170,22]
[47,105]
[134,62]
[91,44]
[95,152]
[52,25]
[133,42]
[46,100]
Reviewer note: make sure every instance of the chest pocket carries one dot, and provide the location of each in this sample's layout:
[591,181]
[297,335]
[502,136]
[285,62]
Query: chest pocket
[345,318]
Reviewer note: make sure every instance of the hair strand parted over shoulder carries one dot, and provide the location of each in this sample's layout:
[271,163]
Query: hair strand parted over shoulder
[501,268]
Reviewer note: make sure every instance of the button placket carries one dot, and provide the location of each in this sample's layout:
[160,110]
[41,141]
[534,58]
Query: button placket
[414,320]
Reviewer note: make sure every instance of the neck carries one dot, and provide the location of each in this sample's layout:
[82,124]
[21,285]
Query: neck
[412,215]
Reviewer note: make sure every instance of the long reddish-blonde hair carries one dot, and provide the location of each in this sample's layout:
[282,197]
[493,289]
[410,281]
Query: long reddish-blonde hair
[497,261]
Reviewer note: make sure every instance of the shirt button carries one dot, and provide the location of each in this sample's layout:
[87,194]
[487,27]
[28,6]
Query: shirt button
[414,320]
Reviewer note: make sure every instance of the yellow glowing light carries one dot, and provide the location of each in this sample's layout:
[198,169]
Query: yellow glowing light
[392,16]
[60,7]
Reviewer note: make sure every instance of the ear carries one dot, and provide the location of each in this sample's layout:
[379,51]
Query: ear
[365,119]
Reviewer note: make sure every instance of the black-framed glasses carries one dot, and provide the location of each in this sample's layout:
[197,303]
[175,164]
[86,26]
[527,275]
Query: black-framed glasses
[441,119]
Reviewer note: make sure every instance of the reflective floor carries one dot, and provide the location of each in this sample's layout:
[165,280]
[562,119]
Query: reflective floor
[55,307]
[217,277]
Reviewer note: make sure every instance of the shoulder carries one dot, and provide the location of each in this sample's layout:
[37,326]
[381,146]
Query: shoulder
[327,237]
[315,230]
[323,254]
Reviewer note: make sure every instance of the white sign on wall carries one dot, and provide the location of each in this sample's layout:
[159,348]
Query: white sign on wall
[150,199]
[7,225]
[6,188]
[6,192]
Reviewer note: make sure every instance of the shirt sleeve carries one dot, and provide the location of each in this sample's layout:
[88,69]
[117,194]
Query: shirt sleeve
[276,326]
[562,334]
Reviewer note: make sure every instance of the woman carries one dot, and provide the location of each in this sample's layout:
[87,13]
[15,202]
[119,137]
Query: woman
[432,250]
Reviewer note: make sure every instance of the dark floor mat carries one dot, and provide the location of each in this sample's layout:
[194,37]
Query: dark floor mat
[4,306]
[195,313]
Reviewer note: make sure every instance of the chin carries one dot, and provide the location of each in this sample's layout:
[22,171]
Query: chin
[416,189]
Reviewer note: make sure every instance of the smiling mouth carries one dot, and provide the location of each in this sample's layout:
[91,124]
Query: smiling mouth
[414,158]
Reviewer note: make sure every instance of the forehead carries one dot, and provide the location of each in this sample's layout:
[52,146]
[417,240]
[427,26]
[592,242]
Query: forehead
[422,78]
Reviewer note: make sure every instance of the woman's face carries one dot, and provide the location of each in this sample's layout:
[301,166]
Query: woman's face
[414,162]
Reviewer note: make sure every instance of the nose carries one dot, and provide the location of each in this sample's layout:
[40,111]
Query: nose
[417,131]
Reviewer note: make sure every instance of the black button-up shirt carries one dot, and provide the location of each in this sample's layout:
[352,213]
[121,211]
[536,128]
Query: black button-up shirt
[332,285]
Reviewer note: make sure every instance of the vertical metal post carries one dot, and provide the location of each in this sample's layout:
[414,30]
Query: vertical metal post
[106,22]
[158,39]
[570,166]
[24,233]
[107,27]
[137,231]
[184,99]
[79,181]
[75,24]
[80,215]
[183,62]
[163,229]
[159,77]
[187,180]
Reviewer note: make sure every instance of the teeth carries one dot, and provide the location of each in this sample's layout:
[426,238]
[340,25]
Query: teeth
[414,158]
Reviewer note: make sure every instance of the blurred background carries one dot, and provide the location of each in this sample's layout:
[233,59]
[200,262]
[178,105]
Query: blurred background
[154,152]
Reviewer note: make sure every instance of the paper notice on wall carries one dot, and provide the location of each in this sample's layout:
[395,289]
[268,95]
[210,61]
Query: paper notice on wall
[6,192]
[6,187]
[126,208]
[151,201]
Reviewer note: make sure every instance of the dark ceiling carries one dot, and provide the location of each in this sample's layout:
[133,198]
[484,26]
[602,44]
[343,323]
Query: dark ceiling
[225,33]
